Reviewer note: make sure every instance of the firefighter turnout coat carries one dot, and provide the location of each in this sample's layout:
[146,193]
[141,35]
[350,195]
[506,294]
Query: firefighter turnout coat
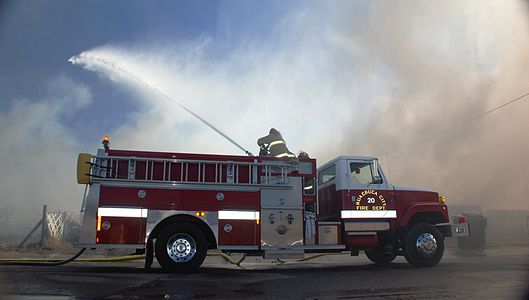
[275,144]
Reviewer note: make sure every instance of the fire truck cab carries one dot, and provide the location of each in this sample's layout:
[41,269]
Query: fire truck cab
[177,206]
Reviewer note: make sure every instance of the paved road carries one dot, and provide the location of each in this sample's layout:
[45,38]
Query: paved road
[501,273]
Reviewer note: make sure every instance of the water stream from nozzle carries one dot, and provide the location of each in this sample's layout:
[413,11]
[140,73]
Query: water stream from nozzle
[77,60]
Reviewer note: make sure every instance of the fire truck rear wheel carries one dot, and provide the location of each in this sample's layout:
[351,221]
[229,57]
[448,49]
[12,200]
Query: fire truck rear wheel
[180,247]
[424,245]
[380,257]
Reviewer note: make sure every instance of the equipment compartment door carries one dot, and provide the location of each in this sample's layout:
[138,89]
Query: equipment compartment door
[121,230]
[238,233]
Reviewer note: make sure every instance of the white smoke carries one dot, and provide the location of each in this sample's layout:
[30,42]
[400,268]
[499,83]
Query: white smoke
[243,96]
[38,152]
[380,78]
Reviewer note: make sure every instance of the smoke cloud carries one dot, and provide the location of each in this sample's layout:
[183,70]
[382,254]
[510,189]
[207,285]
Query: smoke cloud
[376,79]
[37,153]
[450,64]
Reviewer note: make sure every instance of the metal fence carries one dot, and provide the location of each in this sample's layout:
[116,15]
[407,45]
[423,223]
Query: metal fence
[17,223]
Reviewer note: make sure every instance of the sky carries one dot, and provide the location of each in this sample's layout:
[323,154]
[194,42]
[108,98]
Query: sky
[401,80]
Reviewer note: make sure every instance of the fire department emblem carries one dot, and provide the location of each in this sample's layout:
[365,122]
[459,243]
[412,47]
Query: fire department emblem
[369,200]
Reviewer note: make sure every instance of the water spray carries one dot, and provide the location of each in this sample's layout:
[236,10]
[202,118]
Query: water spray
[78,60]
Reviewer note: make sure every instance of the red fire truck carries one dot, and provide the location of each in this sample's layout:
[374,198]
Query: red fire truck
[177,206]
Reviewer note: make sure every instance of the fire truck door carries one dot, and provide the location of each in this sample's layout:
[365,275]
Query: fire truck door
[368,198]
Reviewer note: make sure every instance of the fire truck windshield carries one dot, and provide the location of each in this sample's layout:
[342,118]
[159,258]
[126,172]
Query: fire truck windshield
[361,173]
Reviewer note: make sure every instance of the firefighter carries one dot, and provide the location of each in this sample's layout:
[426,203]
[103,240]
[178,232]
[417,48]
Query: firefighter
[274,145]
[303,154]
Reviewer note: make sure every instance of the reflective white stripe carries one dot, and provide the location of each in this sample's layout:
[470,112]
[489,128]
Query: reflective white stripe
[122,212]
[369,214]
[276,143]
[238,215]
[285,154]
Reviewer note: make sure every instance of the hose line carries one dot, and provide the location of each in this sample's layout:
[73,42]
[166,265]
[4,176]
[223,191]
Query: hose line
[229,258]
[56,262]
[26,262]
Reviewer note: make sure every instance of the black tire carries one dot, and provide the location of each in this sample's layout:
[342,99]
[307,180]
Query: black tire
[180,247]
[423,245]
[380,256]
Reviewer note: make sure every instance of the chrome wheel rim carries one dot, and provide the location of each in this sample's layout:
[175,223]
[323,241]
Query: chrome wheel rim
[426,244]
[181,248]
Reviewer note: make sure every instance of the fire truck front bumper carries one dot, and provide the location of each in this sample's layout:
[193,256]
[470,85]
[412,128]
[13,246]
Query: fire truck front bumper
[454,230]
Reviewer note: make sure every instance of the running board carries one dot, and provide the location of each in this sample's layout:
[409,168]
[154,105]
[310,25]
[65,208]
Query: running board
[324,247]
[289,253]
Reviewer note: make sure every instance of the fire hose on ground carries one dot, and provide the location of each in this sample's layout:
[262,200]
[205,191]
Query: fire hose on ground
[39,262]
[58,262]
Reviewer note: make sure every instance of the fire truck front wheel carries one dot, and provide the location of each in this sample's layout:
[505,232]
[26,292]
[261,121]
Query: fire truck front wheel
[424,245]
[180,247]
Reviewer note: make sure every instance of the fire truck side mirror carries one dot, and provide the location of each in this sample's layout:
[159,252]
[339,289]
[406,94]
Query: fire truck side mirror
[377,180]
[83,168]
[376,174]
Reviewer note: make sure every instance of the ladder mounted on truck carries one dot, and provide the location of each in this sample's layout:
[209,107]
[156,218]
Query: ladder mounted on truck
[103,167]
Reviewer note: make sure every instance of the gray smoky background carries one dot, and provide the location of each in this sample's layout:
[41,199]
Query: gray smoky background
[449,64]
[402,80]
